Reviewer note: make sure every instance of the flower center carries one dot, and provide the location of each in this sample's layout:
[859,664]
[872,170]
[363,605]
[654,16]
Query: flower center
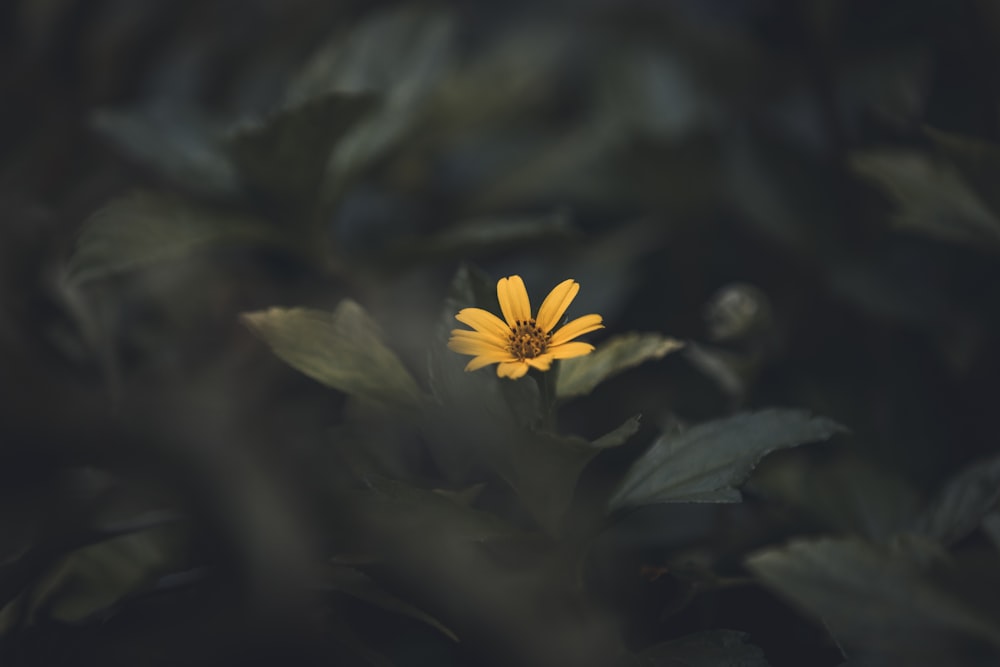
[527,340]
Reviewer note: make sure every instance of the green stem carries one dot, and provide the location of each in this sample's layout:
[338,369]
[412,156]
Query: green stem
[547,396]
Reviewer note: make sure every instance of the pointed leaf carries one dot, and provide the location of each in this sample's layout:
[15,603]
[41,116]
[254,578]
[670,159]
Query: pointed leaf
[181,145]
[580,375]
[708,461]
[963,502]
[285,155]
[878,598]
[343,350]
[932,196]
[92,579]
[401,55]
[146,228]
[359,585]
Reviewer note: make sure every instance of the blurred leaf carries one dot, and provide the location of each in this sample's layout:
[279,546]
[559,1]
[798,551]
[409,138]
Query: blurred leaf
[359,585]
[178,145]
[991,526]
[976,159]
[391,510]
[731,371]
[580,375]
[849,494]
[784,192]
[285,155]
[931,196]
[145,228]
[875,598]
[475,237]
[961,505]
[543,469]
[708,461]
[96,577]
[714,648]
[343,350]
[401,55]
[573,165]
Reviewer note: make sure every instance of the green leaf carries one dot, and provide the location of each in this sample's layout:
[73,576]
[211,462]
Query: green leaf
[401,55]
[488,235]
[96,577]
[580,375]
[977,160]
[846,495]
[357,584]
[145,228]
[543,468]
[931,195]
[877,598]
[708,461]
[343,350]
[962,503]
[285,155]
[391,510]
[714,648]
[620,435]
[179,144]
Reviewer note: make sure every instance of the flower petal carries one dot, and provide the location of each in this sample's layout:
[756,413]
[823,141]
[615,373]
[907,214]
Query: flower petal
[484,321]
[479,337]
[487,359]
[556,303]
[542,362]
[570,350]
[513,299]
[512,369]
[476,347]
[577,327]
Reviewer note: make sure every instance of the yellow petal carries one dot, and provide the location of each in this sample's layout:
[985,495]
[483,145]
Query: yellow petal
[474,347]
[479,337]
[570,350]
[542,362]
[513,299]
[512,369]
[577,327]
[484,321]
[556,303]
[487,359]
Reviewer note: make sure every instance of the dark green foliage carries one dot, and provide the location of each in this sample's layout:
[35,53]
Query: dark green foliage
[705,463]
[234,241]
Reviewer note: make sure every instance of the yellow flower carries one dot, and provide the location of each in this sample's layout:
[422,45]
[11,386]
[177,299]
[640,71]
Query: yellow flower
[522,342]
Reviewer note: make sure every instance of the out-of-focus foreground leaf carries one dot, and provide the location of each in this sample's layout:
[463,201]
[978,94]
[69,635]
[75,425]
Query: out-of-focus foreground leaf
[356,583]
[92,579]
[145,228]
[579,376]
[883,601]
[343,350]
[708,461]
[715,648]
